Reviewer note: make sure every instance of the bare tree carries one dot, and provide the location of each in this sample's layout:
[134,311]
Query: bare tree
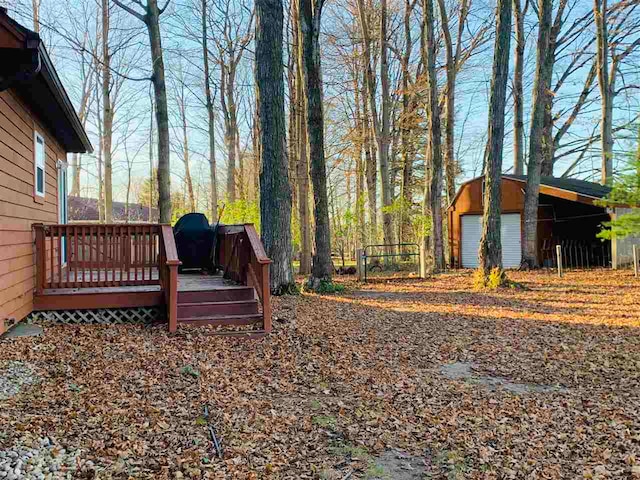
[232,36]
[211,119]
[379,125]
[151,18]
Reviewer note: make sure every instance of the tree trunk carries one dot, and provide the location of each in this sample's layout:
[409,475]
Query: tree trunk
[76,159]
[151,165]
[490,251]
[162,113]
[302,171]
[548,146]
[380,131]
[210,116]
[107,113]
[185,152]
[536,138]
[407,125]
[371,169]
[518,89]
[35,7]
[310,18]
[449,111]
[383,133]
[360,134]
[606,91]
[435,180]
[275,191]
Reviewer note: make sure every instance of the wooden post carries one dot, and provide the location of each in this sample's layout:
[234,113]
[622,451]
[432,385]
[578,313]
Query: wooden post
[266,298]
[636,258]
[40,258]
[359,263]
[172,297]
[423,258]
[559,255]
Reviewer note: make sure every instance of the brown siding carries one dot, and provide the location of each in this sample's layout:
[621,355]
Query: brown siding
[19,209]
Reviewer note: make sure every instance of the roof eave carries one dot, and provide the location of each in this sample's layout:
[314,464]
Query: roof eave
[55,85]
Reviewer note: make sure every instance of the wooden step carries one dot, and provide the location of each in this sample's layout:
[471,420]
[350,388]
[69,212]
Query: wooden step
[220,320]
[229,294]
[246,334]
[212,309]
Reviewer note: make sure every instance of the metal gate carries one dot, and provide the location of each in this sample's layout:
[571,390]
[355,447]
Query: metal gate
[395,258]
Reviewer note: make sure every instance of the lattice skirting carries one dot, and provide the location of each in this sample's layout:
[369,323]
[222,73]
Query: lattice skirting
[103,316]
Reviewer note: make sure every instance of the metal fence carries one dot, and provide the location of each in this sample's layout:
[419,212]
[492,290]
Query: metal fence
[383,260]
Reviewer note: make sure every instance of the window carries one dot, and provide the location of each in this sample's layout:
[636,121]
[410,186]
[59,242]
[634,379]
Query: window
[39,164]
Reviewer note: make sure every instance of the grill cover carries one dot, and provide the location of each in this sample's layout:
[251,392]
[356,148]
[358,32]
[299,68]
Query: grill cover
[195,241]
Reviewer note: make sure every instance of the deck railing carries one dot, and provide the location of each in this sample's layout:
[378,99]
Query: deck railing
[243,259]
[168,273]
[85,256]
[90,255]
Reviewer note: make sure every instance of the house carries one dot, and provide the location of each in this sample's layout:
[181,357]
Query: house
[82,209]
[97,272]
[567,216]
[38,127]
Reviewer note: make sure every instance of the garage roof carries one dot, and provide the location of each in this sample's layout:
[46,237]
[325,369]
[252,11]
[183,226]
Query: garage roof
[581,187]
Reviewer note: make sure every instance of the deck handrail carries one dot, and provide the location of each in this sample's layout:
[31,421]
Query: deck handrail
[169,263]
[86,255]
[244,260]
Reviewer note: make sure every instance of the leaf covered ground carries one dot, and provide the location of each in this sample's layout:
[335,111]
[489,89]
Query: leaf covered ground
[344,379]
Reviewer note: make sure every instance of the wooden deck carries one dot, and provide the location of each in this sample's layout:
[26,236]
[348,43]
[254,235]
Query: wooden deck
[125,296]
[87,266]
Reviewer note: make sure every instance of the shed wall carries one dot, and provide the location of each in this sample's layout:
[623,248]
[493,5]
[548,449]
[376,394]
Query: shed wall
[622,248]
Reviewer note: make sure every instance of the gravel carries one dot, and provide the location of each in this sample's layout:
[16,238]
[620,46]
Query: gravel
[13,376]
[42,460]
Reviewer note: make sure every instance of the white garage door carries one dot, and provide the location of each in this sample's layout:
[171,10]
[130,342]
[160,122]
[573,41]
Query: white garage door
[510,235]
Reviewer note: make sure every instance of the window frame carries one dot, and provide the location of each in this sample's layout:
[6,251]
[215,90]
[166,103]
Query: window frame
[36,164]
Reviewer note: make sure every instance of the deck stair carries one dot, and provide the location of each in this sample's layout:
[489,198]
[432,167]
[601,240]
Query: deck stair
[223,306]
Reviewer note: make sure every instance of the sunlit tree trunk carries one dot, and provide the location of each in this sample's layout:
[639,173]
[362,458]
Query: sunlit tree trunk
[536,138]
[435,157]
[518,89]
[302,167]
[310,14]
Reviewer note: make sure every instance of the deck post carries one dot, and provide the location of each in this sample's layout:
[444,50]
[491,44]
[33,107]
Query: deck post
[266,298]
[172,297]
[40,258]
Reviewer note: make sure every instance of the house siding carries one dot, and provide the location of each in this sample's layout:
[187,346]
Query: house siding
[19,208]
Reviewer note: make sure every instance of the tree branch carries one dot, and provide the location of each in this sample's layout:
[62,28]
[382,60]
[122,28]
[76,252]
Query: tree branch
[142,18]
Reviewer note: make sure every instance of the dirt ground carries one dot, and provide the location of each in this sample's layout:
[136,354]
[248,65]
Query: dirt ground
[354,385]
